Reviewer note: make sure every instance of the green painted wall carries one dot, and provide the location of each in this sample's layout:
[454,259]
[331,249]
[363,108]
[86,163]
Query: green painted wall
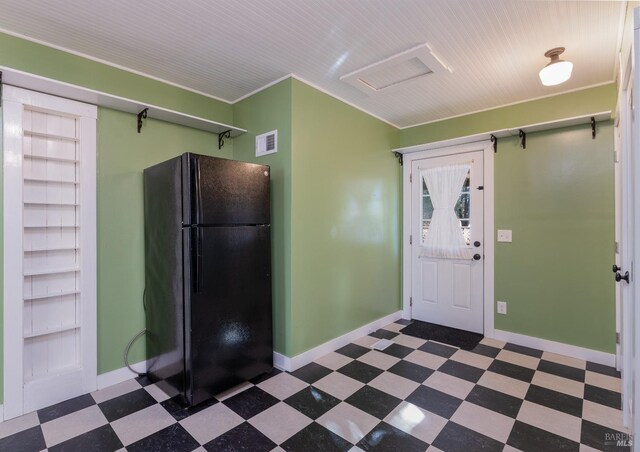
[265,111]
[122,154]
[345,218]
[592,100]
[558,198]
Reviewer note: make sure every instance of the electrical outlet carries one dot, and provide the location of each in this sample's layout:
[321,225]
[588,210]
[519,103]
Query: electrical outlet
[502,307]
[505,235]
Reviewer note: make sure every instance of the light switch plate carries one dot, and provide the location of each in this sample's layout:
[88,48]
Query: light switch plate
[505,235]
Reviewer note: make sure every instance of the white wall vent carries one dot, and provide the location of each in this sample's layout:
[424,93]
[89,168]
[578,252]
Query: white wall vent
[267,143]
[416,63]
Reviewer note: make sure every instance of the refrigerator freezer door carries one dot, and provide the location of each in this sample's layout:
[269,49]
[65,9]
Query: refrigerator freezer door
[224,192]
[228,311]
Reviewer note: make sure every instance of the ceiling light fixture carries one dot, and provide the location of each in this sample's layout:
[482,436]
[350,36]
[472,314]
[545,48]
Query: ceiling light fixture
[557,71]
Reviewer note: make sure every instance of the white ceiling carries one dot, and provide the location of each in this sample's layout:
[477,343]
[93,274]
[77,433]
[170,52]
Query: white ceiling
[229,49]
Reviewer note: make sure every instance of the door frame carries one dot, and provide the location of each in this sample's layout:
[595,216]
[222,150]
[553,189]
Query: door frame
[489,243]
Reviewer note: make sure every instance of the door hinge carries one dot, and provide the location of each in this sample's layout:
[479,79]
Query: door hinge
[481,187]
[410,301]
[616,157]
[410,240]
[617,338]
[410,177]
[617,247]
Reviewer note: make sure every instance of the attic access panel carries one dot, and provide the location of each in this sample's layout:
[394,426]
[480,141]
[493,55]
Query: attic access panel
[396,71]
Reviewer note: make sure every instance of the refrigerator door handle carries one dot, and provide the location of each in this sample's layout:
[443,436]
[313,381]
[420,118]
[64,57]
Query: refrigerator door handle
[196,239]
[196,192]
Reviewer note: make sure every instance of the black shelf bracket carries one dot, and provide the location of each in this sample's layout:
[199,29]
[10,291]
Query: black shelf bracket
[222,136]
[523,138]
[593,128]
[494,140]
[142,115]
[399,157]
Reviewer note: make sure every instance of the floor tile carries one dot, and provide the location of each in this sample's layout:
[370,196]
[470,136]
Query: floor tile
[565,360]
[603,415]
[502,383]
[460,370]
[426,359]
[435,401]
[353,350]
[395,327]
[523,350]
[360,371]
[63,408]
[512,370]
[311,373]
[486,350]
[251,402]
[393,384]
[265,376]
[435,348]
[312,402]
[603,381]
[71,425]
[420,423]
[116,390]
[560,384]
[28,440]
[387,438]
[383,334]
[142,423]
[600,437]
[338,385]
[602,369]
[211,422]
[555,400]
[551,420]
[449,384]
[397,350]
[316,438]
[409,341]
[411,371]
[234,391]
[18,424]
[603,396]
[454,437]
[348,422]
[334,361]
[175,407]
[143,380]
[373,401]
[404,322]
[532,439]
[282,385]
[484,421]
[367,341]
[126,404]
[158,394]
[519,359]
[101,439]
[562,370]
[280,422]
[495,400]
[171,439]
[378,359]
[472,359]
[244,437]
[493,342]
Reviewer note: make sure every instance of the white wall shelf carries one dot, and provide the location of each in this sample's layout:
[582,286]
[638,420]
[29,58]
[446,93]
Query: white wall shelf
[51,271]
[60,329]
[50,158]
[51,181]
[52,295]
[50,136]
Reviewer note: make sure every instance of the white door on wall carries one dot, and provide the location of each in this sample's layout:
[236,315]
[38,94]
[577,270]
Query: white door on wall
[49,249]
[446,241]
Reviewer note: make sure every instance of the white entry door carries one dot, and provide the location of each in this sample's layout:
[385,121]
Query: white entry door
[446,240]
[49,250]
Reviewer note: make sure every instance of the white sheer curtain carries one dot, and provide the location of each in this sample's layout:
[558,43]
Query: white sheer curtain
[445,238]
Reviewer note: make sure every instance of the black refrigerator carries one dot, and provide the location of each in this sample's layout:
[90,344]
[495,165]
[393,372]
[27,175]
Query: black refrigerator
[208,275]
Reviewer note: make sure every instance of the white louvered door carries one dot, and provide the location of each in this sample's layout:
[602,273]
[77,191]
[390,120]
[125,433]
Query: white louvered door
[50,250]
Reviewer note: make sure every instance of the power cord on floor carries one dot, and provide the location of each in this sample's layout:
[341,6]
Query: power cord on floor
[135,338]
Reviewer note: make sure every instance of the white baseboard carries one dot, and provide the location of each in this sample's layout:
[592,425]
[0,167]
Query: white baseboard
[608,359]
[119,375]
[290,364]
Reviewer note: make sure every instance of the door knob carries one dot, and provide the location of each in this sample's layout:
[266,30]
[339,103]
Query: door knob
[476,244]
[615,268]
[477,257]
[619,277]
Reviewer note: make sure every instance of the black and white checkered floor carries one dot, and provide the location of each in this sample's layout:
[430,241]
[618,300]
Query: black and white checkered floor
[413,396]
